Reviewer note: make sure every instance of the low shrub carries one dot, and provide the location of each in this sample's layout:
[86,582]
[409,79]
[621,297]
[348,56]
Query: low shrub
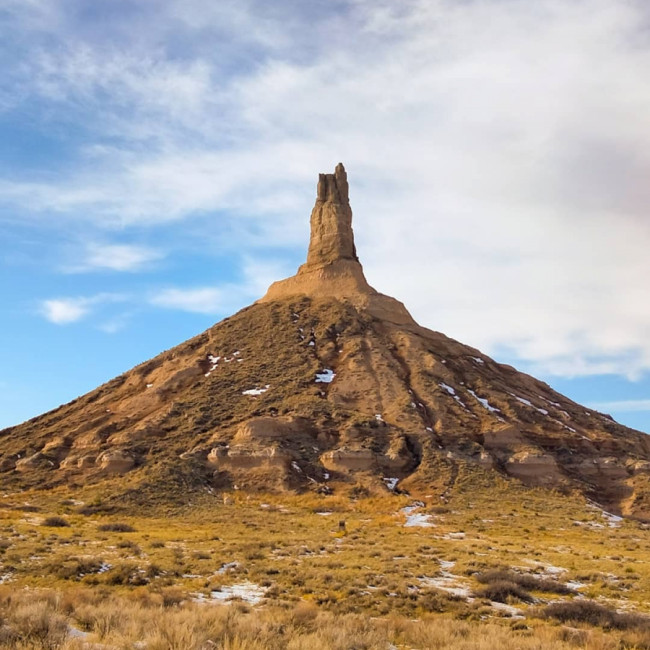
[525,581]
[74,568]
[55,522]
[588,611]
[125,574]
[502,590]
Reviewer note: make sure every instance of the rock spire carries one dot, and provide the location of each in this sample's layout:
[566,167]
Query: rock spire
[331,221]
[333,269]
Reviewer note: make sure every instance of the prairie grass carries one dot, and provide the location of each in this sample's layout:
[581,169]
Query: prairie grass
[79,619]
[478,570]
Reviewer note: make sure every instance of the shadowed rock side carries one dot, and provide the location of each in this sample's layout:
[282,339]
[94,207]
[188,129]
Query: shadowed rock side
[305,390]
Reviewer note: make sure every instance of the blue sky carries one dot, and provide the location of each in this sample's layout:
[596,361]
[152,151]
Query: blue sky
[158,162]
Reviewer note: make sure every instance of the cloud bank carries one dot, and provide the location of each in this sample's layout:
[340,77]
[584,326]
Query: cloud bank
[498,151]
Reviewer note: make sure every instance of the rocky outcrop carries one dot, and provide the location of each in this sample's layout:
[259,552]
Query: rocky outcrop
[534,468]
[331,222]
[115,461]
[332,268]
[249,456]
[34,462]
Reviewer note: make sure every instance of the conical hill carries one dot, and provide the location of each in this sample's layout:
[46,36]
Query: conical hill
[326,382]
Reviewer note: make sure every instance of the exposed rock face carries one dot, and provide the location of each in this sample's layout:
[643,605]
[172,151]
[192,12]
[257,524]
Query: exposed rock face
[325,382]
[331,222]
[534,467]
[115,461]
[332,268]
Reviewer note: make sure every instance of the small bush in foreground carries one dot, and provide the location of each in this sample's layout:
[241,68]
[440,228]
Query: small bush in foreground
[55,522]
[502,590]
[588,611]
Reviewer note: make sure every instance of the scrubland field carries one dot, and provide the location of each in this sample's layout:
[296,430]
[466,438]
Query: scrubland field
[496,566]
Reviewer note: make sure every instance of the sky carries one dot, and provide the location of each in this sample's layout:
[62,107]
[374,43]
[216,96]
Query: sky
[159,158]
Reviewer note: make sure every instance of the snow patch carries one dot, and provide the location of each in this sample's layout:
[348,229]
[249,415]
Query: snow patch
[614,521]
[325,377]
[452,392]
[447,387]
[419,520]
[507,609]
[214,361]
[391,483]
[529,403]
[549,569]
[449,583]
[256,391]
[246,591]
[229,566]
[484,402]
[416,519]
[407,510]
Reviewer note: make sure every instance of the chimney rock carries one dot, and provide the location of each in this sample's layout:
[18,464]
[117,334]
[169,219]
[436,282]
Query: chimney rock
[333,270]
[332,238]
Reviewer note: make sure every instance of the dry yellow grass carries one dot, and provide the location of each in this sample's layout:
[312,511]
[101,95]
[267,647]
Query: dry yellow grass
[79,619]
[125,579]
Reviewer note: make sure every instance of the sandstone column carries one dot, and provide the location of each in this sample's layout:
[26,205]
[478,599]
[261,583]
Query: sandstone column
[332,238]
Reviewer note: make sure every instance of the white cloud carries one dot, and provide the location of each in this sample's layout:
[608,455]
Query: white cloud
[256,276]
[63,311]
[497,150]
[622,406]
[116,257]
[200,300]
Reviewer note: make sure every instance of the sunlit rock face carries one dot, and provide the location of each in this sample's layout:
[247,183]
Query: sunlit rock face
[333,269]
